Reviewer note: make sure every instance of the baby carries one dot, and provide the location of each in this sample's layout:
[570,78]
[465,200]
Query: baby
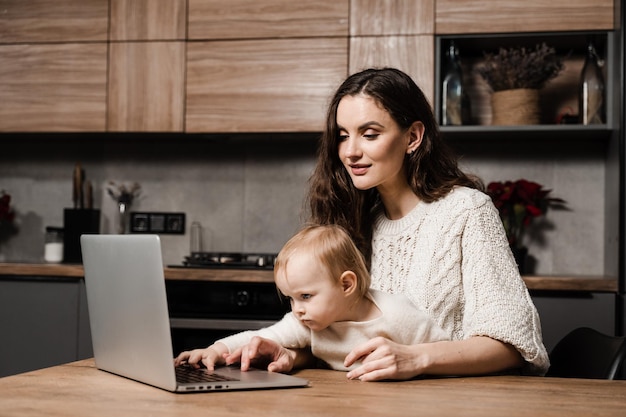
[325,278]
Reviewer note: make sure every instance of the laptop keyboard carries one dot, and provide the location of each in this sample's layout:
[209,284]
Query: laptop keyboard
[187,374]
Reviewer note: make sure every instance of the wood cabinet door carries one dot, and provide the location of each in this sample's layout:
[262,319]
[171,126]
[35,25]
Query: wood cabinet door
[53,87]
[274,85]
[391,17]
[146,87]
[411,54]
[53,20]
[506,16]
[133,20]
[248,19]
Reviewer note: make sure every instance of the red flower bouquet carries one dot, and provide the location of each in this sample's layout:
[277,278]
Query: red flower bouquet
[518,203]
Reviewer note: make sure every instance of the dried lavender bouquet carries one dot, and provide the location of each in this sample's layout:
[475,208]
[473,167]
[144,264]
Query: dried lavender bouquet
[520,67]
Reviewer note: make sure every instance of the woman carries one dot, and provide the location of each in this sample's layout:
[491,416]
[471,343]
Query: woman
[385,175]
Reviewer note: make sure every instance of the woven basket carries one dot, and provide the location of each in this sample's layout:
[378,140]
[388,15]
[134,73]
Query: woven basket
[515,107]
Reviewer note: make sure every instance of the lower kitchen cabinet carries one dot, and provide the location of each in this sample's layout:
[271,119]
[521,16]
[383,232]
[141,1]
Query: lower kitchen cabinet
[562,312]
[43,322]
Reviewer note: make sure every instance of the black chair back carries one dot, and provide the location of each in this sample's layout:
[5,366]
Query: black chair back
[587,353]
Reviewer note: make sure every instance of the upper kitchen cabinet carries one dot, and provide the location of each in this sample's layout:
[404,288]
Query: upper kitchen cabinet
[411,54]
[271,85]
[53,87]
[138,20]
[250,19]
[394,33]
[391,17]
[146,87]
[34,21]
[506,16]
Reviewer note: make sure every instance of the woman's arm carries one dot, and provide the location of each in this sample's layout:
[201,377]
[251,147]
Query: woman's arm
[384,359]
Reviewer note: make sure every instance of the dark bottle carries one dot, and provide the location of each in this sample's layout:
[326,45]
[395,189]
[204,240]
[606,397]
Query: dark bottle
[591,101]
[452,95]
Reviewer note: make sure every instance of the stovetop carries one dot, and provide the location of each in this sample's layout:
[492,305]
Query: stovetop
[230,260]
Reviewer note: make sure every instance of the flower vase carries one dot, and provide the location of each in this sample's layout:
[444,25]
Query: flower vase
[520,253]
[518,106]
[123,214]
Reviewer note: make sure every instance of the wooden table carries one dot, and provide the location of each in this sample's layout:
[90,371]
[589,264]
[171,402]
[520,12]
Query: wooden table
[79,389]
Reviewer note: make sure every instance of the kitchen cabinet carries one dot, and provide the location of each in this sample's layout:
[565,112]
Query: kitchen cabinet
[44,323]
[391,51]
[506,16]
[267,85]
[560,313]
[134,20]
[53,87]
[44,21]
[394,34]
[391,17]
[146,87]
[147,79]
[248,19]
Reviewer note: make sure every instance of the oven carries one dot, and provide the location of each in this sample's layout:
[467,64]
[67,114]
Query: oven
[204,311]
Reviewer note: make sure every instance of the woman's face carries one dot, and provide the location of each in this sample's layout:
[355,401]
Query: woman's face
[372,146]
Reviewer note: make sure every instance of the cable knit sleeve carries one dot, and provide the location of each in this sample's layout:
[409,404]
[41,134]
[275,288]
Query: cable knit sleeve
[452,259]
[497,302]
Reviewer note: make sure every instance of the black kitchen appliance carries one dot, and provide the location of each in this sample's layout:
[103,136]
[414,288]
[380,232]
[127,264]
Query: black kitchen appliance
[204,311]
[230,260]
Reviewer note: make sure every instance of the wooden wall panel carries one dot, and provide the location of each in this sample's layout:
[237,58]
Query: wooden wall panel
[53,20]
[148,20]
[279,85]
[506,16]
[53,88]
[391,17]
[245,19]
[146,87]
[411,54]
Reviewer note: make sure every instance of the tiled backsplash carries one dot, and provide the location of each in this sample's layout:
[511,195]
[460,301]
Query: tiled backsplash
[248,191]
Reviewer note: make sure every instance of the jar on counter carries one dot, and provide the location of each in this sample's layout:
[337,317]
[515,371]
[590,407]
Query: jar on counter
[53,246]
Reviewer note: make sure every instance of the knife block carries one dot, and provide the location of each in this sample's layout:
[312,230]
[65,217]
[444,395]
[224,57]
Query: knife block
[77,222]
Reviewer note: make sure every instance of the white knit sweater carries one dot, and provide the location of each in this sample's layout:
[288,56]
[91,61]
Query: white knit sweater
[400,321]
[451,258]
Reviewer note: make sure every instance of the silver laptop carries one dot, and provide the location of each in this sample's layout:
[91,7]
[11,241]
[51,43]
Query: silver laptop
[129,320]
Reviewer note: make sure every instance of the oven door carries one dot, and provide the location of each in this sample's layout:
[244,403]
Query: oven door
[202,312]
[188,334]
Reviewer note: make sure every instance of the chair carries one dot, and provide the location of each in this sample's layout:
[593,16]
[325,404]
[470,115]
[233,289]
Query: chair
[587,353]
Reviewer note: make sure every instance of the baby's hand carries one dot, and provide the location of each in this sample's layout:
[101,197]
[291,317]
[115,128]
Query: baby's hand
[210,357]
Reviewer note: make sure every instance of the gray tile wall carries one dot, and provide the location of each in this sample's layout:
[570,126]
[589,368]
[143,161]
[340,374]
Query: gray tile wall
[247,191]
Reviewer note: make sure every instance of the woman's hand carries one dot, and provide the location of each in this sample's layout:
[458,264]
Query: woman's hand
[383,359]
[260,350]
[210,357]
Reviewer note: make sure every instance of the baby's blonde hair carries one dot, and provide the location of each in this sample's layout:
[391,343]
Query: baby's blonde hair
[333,248]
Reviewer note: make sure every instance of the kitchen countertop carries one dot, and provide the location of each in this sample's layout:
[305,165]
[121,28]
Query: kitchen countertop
[533,282]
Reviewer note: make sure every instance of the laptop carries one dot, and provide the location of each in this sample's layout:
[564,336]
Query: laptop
[130,326]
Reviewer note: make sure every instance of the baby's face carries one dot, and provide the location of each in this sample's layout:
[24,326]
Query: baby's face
[317,300]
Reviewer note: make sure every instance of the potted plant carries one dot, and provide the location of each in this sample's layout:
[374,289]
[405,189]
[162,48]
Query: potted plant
[518,202]
[515,76]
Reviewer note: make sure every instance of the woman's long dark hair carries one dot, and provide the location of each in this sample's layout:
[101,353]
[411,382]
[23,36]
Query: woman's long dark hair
[432,170]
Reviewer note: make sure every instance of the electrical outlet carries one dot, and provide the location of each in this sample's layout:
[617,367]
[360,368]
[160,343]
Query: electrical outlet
[157,222]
